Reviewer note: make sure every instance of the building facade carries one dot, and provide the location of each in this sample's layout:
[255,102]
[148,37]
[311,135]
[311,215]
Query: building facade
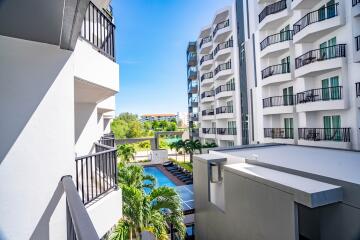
[58,80]
[193,91]
[303,67]
[158,117]
[218,65]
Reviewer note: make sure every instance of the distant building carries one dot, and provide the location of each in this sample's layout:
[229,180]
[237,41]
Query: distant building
[159,117]
[183,119]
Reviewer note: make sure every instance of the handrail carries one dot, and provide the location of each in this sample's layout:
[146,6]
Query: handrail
[209,130]
[275,69]
[355,2]
[271,9]
[207,112]
[357,42]
[223,45]
[207,75]
[319,94]
[225,87]
[98,30]
[221,25]
[222,67]
[357,86]
[285,100]
[316,16]
[224,109]
[205,40]
[207,94]
[283,133]
[321,54]
[206,58]
[276,38]
[325,134]
[226,131]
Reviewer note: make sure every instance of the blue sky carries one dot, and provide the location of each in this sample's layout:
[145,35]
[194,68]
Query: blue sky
[151,40]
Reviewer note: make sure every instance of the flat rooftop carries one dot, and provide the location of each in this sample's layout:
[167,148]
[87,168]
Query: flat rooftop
[333,163]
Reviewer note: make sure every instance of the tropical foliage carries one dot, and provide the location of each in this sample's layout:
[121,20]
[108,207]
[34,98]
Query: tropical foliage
[146,207]
[126,152]
[187,147]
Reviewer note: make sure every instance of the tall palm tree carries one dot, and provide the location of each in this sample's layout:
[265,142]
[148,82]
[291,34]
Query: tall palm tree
[126,152]
[151,211]
[198,145]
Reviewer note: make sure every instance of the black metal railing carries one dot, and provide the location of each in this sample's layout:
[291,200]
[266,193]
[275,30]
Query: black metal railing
[321,54]
[221,25]
[205,40]
[286,100]
[357,87]
[224,109]
[209,130]
[276,38]
[275,69]
[207,94]
[319,94]
[99,31]
[206,58]
[220,46]
[108,140]
[316,16]
[207,112]
[325,134]
[357,43]
[207,75]
[222,67]
[96,173]
[272,8]
[225,87]
[283,133]
[355,2]
[226,131]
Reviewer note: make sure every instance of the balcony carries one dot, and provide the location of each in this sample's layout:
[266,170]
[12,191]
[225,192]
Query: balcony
[225,112]
[192,60]
[193,89]
[207,78]
[205,45]
[193,117]
[206,61]
[276,74]
[279,135]
[208,132]
[221,31]
[207,114]
[192,74]
[194,103]
[224,91]
[325,137]
[272,14]
[355,8]
[357,49]
[302,4]
[317,24]
[278,104]
[330,98]
[276,44]
[357,91]
[223,71]
[320,61]
[227,134]
[224,50]
[207,96]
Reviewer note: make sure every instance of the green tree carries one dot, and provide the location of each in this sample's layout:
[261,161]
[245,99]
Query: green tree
[126,152]
[141,211]
[135,129]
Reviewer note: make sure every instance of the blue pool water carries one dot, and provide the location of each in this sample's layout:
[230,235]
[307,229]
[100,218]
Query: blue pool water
[161,179]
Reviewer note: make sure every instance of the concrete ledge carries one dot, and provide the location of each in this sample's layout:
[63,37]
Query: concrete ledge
[209,158]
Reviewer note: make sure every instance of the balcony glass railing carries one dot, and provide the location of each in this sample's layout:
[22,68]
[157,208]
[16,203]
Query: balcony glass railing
[319,94]
[286,100]
[321,54]
[276,38]
[272,9]
[282,133]
[325,134]
[316,16]
[207,75]
[226,131]
[224,109]
[357,86]
[98,30]
[206,58]
[221,25]
[220,46]
[207,94]
[207,112]
[275,70]
[205,40]
[222,67]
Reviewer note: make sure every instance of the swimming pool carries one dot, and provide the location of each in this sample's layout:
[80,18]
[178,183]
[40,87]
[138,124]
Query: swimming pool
[161,178]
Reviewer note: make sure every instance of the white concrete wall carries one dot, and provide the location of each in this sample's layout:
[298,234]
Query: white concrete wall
[37,129]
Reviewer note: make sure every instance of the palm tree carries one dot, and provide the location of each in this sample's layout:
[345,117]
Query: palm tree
[150,210]
[180,145]
[126,152]
[172,145]
[198,146]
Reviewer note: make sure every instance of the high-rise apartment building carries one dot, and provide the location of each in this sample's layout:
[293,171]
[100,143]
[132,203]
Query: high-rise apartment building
[218,64]
[58,80]
[193,90]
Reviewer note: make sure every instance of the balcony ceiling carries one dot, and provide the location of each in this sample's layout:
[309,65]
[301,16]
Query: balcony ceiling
[221,17]
[51,22]
[205,33]
[85,92]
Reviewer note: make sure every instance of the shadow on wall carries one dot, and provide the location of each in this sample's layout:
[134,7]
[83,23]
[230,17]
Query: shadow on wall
[27,72]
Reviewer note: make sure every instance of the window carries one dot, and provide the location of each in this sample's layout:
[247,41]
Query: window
[330,88]
[289,128]
[285,34]
[230,143]
[332,125]
[288,96]
[285,62]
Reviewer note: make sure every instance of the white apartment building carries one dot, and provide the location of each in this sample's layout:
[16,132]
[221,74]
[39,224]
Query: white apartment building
[218,71]
[58,78]
[303,71]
